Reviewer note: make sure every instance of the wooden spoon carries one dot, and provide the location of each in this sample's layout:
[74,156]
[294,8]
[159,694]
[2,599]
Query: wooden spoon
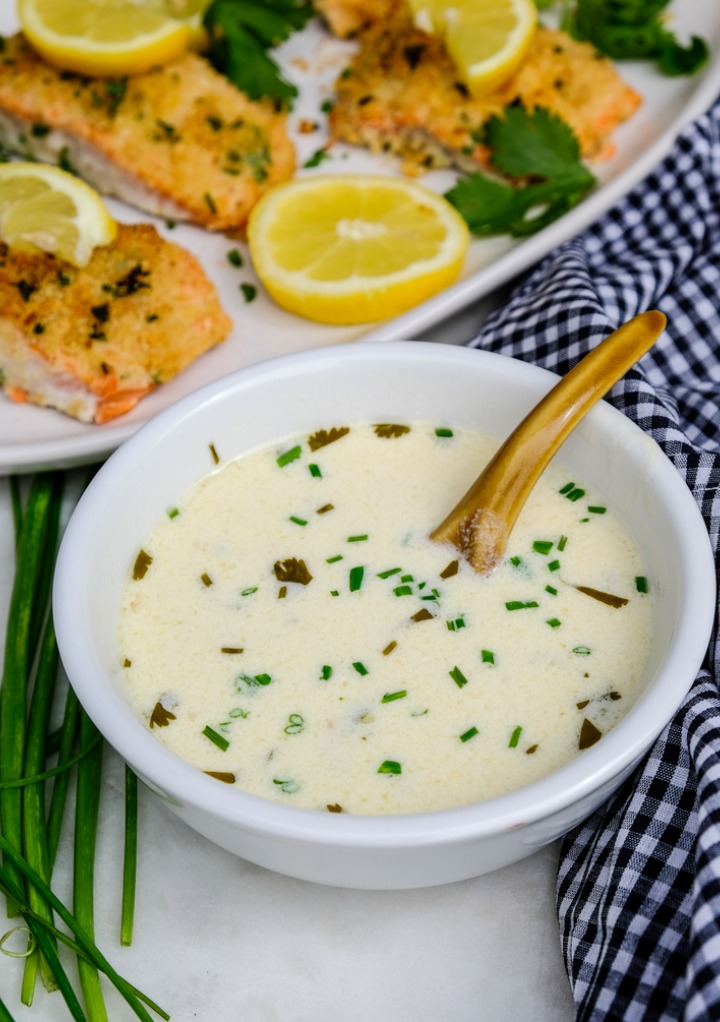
[480,524]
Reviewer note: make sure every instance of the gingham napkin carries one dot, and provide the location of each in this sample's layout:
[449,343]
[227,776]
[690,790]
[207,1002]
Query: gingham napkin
[638,891]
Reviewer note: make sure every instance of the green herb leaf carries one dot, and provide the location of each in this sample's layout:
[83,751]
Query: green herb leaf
[241,33]
[537,147]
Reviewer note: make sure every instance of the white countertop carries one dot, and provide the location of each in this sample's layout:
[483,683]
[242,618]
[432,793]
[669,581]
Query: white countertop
[218,939]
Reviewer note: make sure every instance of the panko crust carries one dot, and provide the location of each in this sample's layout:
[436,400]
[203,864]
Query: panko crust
[402,94]
[180,134]
[92,341]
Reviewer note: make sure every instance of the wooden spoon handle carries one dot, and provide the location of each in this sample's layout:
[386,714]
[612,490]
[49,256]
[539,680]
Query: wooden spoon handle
[480,524]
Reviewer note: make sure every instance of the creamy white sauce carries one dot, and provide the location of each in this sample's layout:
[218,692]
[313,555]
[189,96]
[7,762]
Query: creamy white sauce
[332,694]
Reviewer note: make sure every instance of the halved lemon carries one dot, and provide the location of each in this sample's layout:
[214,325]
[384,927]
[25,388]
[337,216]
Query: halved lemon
[487,39]
[43,207]
[106,37]
[354,248]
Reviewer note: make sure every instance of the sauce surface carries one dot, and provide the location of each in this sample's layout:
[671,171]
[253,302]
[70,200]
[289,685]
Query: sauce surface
[290,629]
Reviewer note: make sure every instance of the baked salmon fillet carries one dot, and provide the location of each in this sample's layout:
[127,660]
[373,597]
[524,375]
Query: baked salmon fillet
[92,341]
[180,141]
[401,94]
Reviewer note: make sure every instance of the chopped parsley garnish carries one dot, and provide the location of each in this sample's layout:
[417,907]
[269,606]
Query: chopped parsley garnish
[389,766]
[142,563]
[323,437]
[293,569]
[533,146]
[234,257]
[318,157]
[249,292]
[160,717]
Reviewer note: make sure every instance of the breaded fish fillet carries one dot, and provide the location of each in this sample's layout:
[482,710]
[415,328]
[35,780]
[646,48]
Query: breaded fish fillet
[402,94]
[179,141]
[91,342]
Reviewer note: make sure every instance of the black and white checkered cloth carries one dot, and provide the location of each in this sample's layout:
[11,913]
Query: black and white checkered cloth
[638,894]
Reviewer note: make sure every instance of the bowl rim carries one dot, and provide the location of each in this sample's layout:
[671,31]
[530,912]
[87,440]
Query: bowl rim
[178,781]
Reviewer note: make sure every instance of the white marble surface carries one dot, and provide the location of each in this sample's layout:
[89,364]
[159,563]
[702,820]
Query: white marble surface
[220,939]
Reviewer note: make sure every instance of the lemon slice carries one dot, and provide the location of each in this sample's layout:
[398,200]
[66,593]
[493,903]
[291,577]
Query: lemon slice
[487,39]
[43,207]
[354,248]
[106,37]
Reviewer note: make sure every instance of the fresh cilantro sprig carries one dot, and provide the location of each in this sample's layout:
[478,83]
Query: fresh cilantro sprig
[634,30]
[537,148]
[241,32]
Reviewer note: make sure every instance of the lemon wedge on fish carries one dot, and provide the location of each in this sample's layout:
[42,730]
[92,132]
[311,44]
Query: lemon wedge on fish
[487,39]
[352,248]
[109,37]
[45,208]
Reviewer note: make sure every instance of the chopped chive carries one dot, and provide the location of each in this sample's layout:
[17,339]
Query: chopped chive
[356,578]
[357,539]
[441,431]
[390,697]
[552,590]
[597,510]
[407,578]
[215,738]
[575,494]
[214,454]
[314,471]
[388,573]
[582,650]
[249,591]
[360,667]
[389,766]
[566,488]
[205,579]
[288,456]
[403,590]
[295,724]
[456,624]
[562,543]
[458,677]
[554,566]
[434,596]
[554,622]
[298,521]
[515,737]
[389,648]
[487,656]
[516,561]
[231,649]
[641,584]
[470,733]
[542,546]
[334,592]
[326,672]
[332,560]
[173,512]
[520,604]
[287,785]
[142,563]
[282,592]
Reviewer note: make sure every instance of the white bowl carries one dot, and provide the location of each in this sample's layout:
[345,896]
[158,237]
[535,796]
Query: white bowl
[378,382]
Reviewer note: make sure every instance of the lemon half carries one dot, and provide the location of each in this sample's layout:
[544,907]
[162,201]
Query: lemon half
[43,207]
[355,248]
[107,37]
[487,39]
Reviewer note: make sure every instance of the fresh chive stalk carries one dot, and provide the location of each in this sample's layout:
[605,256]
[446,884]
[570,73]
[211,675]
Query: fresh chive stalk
[89,774]
[127,917]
